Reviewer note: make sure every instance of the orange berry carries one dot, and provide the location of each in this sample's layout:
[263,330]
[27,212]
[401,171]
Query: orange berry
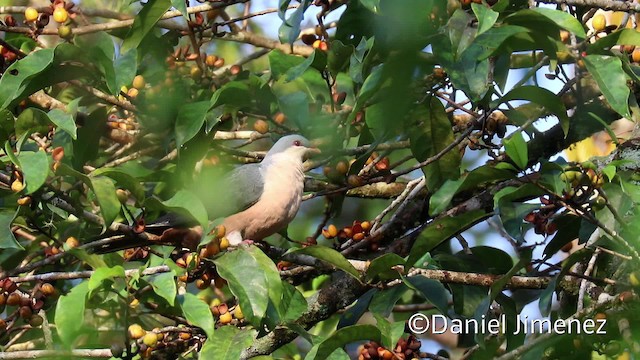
[261,126]
[280,118]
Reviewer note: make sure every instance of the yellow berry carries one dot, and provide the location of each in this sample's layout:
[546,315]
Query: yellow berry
[226,318]
[221,231]
[31,14]
[150,339]
[224,243]
[237,312]
[633,279]
[138,82]
[72,242]
[64,31]
[136,331]
[60,15]
[599,22]
[24,201]
[261,126]
[17,186]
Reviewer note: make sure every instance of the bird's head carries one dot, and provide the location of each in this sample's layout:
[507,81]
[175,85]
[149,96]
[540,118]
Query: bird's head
[295,145]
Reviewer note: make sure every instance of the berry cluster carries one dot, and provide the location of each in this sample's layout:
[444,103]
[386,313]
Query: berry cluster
[224,314]
[26,304]
[145,342]
[408,348]
[60,10]
[356,232]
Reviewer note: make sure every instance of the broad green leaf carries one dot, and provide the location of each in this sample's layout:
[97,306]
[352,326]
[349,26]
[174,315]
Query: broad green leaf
[441,230]
[181,6]
[234,93]
[16,75]
[188,202]
[353,313]
[516,149]
[103,274]
[317,60]
[290,28]
[619,37]
[432,290]
[372,5]
[345,336]
[486,17]
[197,312]
[32,120]
[383,301]
[441,199]
[35,167]
[541,96]
[7,239]
[226,343]
[390,332]
[280,63]
[189,121]
[612,81]
[144,22]
[165,286]
[293,303]
[105,192]
[254,280]
[64,121]
[125,67]
[382,266]
[432,136]
[563,20]
[329,255]
[69,316]
[123,180]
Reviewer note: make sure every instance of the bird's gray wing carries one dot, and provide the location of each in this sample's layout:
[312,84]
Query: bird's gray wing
[237,190]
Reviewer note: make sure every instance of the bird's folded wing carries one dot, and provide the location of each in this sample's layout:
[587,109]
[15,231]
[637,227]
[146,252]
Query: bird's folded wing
[237,191]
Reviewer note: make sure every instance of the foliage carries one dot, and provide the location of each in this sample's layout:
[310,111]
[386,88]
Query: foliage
[111,118]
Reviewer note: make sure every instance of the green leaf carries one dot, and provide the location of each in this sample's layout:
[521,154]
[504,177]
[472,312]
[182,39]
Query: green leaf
[126,66]
[293,303]
[372,5]
[345,336]
[69,316]
[164,285]
[612,81]
[486,17]
[563,20]
[32,120]
[234,93]
[383,301]
[64,121]
[181,6]
[441,230]
[317,60]
[123,180]
[329,255]
[7,239]
[189,121]
[516,149]
[383,264]
[105,192]
[144,22]
[35,167]
[254,280]
[541,96]
[280,63]
[103,274]
[188,202]
[290,28]
[433,291]
[434,135]
[619,37]
[389,331]
[197,312]
[15,76]
[546,297]
[226,343]
[353,313]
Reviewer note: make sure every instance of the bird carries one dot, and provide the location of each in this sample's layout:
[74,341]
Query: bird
[256,200]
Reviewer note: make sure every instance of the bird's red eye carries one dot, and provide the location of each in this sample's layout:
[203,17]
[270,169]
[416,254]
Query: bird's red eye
[297,143]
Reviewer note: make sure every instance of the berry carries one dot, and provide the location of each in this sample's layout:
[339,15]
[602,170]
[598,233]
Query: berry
[195,73]
[17,186]
[308,39]
[280,118]
[35,320]
[150,339]
[218,63]
[47,289]
[138,82]
[31,14]
[342,167]
[60,15]
[225,318]
[635,55]
[24,201]
[224,243]
[210,60]
[136,331]
[14,299]
[237,312]
[599,22]
[261,126]
[235,69]
[72,242]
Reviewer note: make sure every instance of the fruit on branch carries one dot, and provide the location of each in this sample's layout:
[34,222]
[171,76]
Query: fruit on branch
[31,14]
[599,22]
[60,15]
[139,82]
[150,339]
[225,318]
[280,118]
[235,69]
[635,55]
[136,331]
[17,186]
[261,126]
[210,60]
[308,39]
[72,242]
[24,201]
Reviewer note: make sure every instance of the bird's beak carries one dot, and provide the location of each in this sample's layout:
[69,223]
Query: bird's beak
[313,151]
